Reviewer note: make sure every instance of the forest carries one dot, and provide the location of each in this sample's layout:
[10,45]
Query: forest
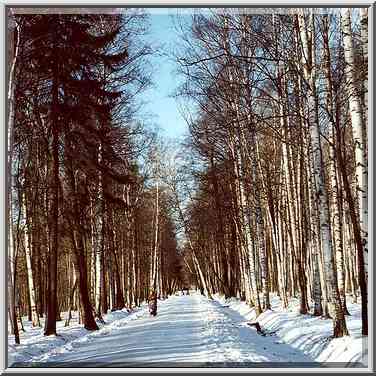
[266,194]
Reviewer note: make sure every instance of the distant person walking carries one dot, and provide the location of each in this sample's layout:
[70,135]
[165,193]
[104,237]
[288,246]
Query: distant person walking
[153,303]
[185,291]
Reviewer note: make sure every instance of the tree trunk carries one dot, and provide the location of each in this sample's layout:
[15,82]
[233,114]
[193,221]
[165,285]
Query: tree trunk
[71,300]
[307,35]
[28,242]
[51,308]
[86,308]
[100,295]
[334,184]
[361,170]
[11,249]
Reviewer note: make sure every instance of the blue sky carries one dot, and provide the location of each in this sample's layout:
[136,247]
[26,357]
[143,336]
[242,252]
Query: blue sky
[162,106]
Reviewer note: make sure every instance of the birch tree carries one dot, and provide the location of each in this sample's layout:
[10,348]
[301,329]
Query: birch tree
[13,75]
[361,171]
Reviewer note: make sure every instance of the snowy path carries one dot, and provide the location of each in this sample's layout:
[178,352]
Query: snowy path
[188,331]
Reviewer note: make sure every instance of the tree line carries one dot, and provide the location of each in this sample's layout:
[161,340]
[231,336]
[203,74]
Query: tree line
[89,228]
[269,189]
[277,157]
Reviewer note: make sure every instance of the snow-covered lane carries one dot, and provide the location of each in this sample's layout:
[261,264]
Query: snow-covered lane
[188,330]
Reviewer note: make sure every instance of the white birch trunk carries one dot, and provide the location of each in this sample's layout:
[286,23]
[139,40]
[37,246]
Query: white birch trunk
[260,226]
[156,240]
[100,241]
[93,240]
[361,170]
[202,277]
[134,274]
[333,178]
[307,38]
[364,40]
[11,249]
[129,278]
[319,285]
[27,235]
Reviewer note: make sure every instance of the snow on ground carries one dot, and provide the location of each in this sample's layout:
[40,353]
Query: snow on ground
[188,331]
[306,333]
[33,344]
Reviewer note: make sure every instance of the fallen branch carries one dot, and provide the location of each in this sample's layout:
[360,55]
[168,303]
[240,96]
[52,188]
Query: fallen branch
[257,326]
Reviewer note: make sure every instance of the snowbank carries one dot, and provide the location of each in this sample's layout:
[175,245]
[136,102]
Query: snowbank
[309,334]
[35,346]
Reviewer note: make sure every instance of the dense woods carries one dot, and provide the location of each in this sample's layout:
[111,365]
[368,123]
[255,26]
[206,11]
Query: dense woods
[278,133]
[268,192]
[89,228]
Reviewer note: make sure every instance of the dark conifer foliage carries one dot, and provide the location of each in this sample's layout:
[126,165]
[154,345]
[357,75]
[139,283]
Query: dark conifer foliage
[69,53]
[77,189]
